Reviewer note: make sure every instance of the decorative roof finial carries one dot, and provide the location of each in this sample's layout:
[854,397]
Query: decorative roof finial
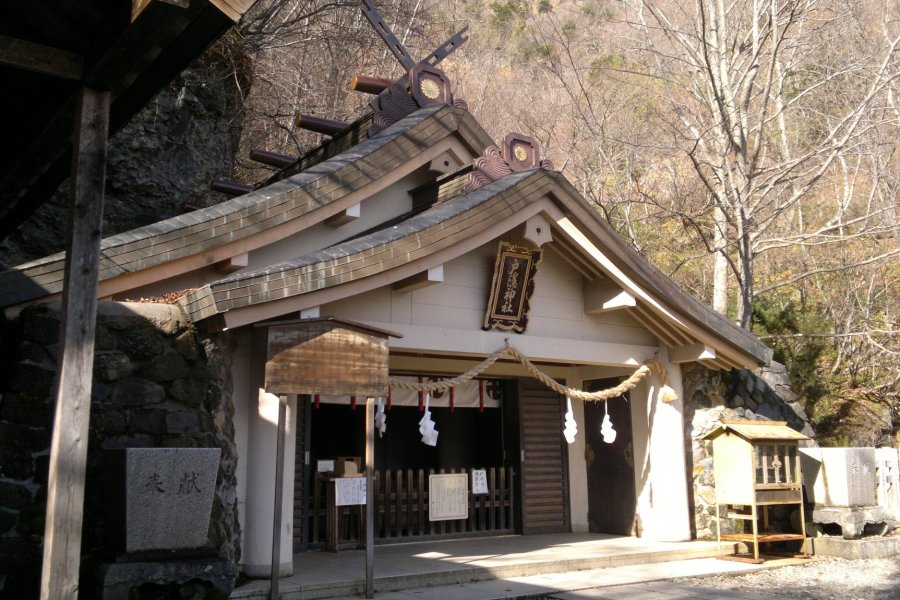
[518,153]
[423,85]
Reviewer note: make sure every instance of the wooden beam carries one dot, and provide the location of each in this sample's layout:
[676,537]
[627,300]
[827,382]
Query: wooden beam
[691,353]
[68,447]
[424,279]
[345,216]
[273,159]
[232,188]
[320,124]
[369,85]
[40,59]
[605,296]
[234,9]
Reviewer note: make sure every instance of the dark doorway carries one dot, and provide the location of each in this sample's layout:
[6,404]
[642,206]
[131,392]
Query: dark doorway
[610,467]
[545,464]
[468,439]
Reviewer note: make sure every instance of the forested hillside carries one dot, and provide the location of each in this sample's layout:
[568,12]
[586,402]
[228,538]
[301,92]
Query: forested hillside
[749,148]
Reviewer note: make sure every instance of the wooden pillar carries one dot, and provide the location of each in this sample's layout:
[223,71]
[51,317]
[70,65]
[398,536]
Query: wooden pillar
[279,496]
[68,447]
[370,498]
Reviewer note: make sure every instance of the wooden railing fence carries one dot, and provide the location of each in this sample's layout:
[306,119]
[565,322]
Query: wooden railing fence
[401,509]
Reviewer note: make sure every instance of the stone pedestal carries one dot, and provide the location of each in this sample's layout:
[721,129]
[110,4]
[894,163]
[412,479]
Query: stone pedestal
[853,520]
[174,578]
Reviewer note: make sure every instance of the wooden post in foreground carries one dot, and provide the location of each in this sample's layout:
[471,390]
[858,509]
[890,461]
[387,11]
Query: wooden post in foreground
[370,498]
[279,495]
[68,446]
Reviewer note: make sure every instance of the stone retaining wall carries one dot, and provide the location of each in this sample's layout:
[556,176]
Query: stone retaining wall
[157,383]
[713,396]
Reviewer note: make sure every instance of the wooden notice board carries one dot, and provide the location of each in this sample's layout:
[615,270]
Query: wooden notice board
[327,356]
[448,497]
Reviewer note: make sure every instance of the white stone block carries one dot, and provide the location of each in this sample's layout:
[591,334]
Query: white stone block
[839,476]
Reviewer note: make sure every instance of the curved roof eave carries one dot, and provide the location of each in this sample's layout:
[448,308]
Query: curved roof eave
[396,252]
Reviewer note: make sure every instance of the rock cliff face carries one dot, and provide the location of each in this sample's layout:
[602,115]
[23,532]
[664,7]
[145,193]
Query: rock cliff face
[164,159]
[158,383]
[714,396]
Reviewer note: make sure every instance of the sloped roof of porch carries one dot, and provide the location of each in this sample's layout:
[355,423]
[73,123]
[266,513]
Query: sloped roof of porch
[324,182]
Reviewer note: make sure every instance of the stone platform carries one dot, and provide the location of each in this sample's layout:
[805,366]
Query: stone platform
[456,562]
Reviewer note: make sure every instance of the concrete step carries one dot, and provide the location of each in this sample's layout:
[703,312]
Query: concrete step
[452,575]
[612,582]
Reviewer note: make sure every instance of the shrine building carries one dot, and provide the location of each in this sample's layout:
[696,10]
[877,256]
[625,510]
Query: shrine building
[413,227]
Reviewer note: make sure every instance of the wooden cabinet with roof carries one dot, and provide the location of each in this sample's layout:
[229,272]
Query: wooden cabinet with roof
[756,465]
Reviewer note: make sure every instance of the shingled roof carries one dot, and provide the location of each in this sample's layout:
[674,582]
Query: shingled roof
[332,178]
[453,227]
[287,205]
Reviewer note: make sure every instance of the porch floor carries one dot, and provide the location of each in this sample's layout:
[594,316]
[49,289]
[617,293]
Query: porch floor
[446,562]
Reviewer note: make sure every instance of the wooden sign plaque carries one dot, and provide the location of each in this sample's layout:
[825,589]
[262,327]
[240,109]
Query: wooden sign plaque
[512,287]
[327,356]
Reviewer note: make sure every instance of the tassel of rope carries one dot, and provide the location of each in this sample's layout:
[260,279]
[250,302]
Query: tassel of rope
[666,393]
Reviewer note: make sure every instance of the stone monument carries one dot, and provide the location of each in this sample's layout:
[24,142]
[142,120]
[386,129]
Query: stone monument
[168,497]
[162,501]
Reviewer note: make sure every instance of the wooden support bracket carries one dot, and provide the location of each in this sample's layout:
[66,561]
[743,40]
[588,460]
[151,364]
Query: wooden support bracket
[606,296]
[420,280]
[230,265]
[40,59]
[691,353]
[345,216]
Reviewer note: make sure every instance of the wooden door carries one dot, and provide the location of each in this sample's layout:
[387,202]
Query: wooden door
[302,476]
[610,467]
[545,465]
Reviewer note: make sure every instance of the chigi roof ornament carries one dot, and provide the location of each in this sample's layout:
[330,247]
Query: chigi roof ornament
[518,153]
[423,85]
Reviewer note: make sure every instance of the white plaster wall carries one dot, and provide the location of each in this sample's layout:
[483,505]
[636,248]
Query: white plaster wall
[459,302]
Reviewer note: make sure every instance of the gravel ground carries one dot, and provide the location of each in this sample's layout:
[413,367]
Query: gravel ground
[823,579]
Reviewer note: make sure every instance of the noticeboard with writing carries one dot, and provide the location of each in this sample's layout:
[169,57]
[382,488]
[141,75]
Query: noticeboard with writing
[479,481]
[448,497]
[349,491]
